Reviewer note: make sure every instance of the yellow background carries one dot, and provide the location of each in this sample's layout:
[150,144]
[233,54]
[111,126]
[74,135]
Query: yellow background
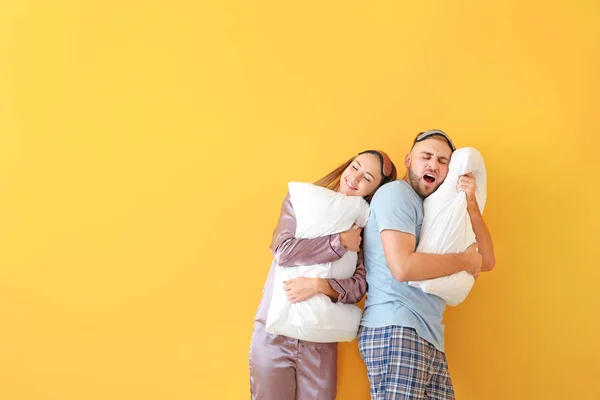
[145,149]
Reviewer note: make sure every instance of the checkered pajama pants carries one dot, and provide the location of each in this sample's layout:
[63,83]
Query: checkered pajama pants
[401,365]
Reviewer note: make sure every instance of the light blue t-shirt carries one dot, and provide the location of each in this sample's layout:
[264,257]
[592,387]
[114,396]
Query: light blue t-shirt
[397,206]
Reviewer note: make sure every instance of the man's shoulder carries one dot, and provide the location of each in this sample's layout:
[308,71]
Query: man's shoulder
[396,191]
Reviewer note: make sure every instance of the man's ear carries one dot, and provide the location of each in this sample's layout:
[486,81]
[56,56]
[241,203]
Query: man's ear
[407,161]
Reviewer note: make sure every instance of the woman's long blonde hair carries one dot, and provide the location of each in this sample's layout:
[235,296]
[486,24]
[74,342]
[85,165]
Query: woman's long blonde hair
[332,180]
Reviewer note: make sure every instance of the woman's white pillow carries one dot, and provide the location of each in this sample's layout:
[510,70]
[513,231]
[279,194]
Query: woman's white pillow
[319,212]
[447,227]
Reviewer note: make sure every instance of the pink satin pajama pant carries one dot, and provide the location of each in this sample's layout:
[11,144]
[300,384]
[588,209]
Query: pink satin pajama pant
[283,368]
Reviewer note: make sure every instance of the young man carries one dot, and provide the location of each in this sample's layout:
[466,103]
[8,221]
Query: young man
[401,338]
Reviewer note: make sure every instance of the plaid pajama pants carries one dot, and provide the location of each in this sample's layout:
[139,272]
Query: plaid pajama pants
[401,365]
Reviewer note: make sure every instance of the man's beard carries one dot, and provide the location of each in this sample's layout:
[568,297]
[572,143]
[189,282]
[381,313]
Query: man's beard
[414,183]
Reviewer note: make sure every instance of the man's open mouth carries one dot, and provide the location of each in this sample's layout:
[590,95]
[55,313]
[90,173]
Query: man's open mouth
[429,178]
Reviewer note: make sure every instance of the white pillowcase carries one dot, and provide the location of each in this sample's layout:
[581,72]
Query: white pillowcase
[319,212]
[447,227]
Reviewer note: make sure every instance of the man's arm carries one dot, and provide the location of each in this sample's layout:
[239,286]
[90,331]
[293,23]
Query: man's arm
[482,233]
[407,265]
[483,237]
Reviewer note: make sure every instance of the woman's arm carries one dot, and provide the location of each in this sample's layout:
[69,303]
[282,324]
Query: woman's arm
[349,290]
[291,252]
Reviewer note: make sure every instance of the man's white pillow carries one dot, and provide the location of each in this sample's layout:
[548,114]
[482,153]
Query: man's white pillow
[319,212]
[447,227]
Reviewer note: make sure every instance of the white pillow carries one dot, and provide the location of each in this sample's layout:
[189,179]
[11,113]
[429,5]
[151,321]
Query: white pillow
[447,227]
[319,212]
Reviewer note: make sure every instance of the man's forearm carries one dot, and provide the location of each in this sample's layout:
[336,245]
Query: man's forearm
[483,237]
[421,266]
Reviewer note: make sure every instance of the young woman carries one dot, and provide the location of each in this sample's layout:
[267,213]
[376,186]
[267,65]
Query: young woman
[284,368]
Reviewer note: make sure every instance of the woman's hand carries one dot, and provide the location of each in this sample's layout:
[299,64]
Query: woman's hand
[301,289]
[351,239]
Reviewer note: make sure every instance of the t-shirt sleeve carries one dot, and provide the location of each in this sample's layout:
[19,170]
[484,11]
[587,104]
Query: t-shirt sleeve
[395,207]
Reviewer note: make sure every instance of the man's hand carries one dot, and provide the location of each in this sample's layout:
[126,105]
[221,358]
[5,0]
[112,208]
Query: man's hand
[351,239]
[473,260]
[467,183]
